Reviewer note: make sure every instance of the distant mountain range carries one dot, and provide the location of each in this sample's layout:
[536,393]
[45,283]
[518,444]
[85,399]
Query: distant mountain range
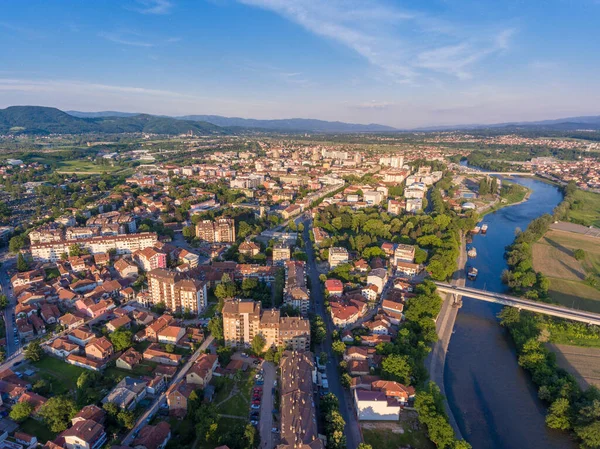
[590,122]
[44,120]
[292,124]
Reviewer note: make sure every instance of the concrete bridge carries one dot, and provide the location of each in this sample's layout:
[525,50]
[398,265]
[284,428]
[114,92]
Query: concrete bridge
[520,303]
[499,173]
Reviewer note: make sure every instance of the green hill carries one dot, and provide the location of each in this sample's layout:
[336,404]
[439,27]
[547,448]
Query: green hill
[43,120]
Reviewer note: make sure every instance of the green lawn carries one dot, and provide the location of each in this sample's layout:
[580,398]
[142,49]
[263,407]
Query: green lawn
[586,209]
[575,294]
[61,375]
[85,167]
[238,404]
[388,439]
[37,428]
[210,310]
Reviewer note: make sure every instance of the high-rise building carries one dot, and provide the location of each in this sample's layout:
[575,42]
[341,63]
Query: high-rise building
[220,230]
[295,293]
[243,319]
[177,291]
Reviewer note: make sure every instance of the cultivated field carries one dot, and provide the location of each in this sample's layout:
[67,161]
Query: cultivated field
[582,363]
[553,256]
[587,209]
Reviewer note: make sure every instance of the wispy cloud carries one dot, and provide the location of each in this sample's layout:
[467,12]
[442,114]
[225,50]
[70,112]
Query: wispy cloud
[125,38]
[135,39]
[402,43]
[153,6]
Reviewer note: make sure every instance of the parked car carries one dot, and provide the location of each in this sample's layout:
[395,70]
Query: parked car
[275,430]
[255,406]
[254,422]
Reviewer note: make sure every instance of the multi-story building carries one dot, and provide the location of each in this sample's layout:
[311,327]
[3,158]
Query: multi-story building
[244,319]
[241,321]
[126,222]
[176,291]
[123,244]
[372,197]
[337,256]
[298,415]
[295,293]
[220,230]
[150,258]
[414,204]
[281,253]
[404,253]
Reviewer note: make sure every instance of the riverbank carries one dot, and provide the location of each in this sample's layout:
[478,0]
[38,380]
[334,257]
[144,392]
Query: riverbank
[492,399]
[500,205]
[436,361]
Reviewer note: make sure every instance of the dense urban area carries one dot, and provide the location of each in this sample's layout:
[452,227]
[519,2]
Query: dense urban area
[236,289]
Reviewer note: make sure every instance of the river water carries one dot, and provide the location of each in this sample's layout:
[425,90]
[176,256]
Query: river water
[492,398]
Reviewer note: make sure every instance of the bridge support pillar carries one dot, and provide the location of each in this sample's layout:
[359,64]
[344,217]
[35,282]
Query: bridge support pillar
[456,300]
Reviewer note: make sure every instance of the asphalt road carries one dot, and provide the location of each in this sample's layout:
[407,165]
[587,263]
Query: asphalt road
[266,410]
[7,314]
[352,432]
[149,413]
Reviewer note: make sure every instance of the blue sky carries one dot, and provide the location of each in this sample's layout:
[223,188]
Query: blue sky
[400,63]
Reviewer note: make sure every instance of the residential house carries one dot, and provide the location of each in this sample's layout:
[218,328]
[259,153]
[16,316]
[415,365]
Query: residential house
[334,287]
[99,349]
[129,359]
[127,393]
[171,334]
[153,437]
[177,398]
[202,370]
[154,353]
[86,434]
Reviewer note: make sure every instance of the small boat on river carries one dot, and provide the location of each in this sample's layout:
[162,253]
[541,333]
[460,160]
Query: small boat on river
[472,273]
[472,253]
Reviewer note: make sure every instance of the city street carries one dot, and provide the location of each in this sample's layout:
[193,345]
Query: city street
[266,412]
[148,414]
[353,435]
[7,314]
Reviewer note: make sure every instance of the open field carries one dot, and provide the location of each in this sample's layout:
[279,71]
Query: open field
[37,428]
[553,256]
[582,363]
[61,375]
[85,167]
[587,209]
[395,435]
[233,398]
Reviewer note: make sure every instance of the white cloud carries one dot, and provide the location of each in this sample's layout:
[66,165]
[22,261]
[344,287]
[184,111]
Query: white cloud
[404,44]
[135,39]
[153,6]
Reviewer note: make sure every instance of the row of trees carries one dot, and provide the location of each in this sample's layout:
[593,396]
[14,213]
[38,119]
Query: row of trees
[570,408]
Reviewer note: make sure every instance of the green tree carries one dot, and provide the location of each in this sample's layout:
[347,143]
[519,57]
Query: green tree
[22,264]
[57,413]
[258,344]
[33,352]
[3,302]
[126,418]
[318,330]
[559,414]
[111,408]
[589,435]
[16,243]
[397,367]
[215,327]
[338,347]
[346,380]
[21,411]
[170,348]
[579,254]
[121,339]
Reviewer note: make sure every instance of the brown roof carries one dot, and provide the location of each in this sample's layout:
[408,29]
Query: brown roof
[87,430]
[151,437]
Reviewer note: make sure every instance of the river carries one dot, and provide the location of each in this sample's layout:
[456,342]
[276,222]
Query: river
[492,398]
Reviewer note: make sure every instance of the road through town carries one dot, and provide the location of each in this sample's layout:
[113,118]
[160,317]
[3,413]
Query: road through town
[353,435]
[148,414]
